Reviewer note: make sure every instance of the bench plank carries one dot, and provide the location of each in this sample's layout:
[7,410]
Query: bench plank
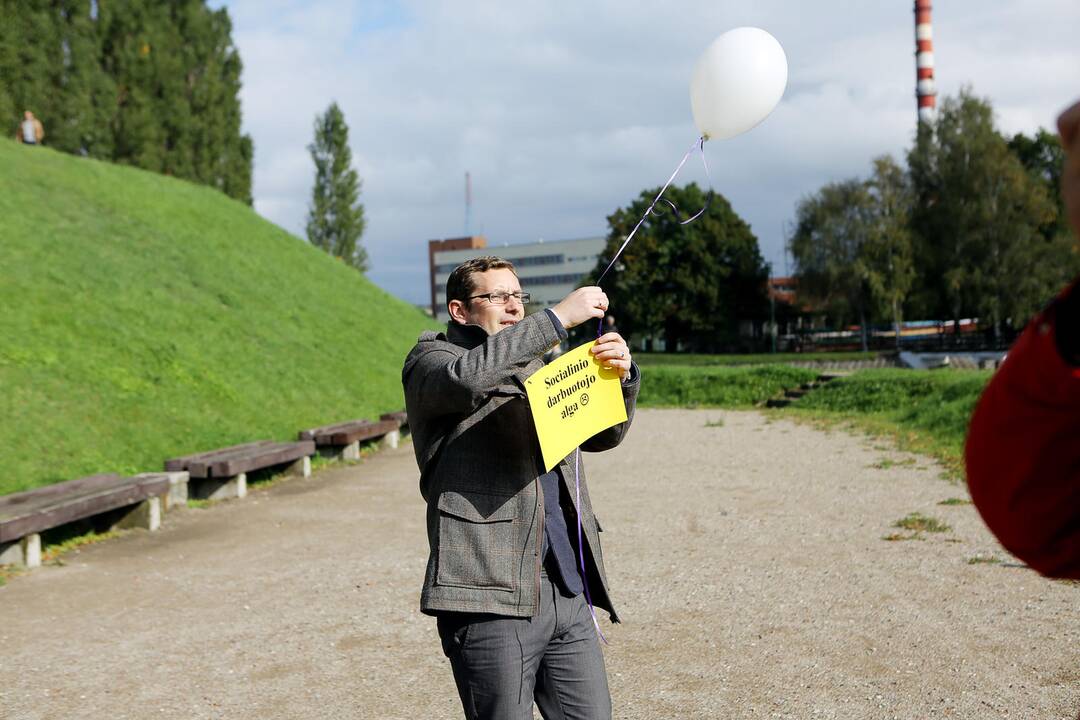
[346,433]
[182,463]
[368,432]
[241,459]
[87,499]
[226,454]
[32,500]
[329,429]
[400,416]
[61,488]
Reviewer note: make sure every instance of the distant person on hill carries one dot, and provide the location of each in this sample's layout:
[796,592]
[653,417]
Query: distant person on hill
[30,130]
[1023,446]
[503,573]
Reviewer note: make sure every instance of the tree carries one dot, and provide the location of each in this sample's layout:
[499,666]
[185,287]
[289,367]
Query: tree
[336,217]
[210,70]
[150,83]
[137,49]
[829,245]
[693,283]
[888,256]
[85,94]
[978,219]
[29,48]
[1043,157]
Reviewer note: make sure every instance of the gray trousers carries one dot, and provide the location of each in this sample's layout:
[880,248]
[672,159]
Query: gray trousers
[502,664]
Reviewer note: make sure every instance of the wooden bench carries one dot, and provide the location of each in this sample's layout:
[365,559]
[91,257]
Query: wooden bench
[402,419]
[221,474]
[113,501]
[342,440]
[400,416]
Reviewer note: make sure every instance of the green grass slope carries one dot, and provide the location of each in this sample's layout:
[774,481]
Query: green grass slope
[142,317]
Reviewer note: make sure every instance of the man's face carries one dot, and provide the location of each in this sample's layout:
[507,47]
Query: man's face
[481,311]
[28,115]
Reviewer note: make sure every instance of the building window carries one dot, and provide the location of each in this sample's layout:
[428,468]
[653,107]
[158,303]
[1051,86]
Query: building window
[538,260]
[561,279]
[530,261]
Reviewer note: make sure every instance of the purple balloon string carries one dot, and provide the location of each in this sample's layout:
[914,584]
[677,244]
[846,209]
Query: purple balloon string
[698,145]
[581,549]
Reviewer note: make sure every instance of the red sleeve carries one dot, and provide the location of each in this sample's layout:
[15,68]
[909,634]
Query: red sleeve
[1023,453]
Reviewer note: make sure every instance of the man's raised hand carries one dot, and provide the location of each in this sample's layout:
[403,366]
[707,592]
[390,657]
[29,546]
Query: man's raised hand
[580,306]
[613,351]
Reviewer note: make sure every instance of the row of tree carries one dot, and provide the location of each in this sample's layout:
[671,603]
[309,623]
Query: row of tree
[150,83]
[974,226]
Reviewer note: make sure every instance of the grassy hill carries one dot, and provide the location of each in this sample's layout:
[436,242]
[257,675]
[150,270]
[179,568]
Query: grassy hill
[142,317]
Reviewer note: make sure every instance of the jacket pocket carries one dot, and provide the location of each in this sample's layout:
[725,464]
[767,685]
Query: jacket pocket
[477,540]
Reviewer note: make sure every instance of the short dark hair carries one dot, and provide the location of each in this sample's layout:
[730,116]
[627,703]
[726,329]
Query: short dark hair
[461,284]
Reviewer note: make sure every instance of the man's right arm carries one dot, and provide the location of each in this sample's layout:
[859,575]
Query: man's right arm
[445,381]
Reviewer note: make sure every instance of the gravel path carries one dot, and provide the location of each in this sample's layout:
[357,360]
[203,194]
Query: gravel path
[746,557]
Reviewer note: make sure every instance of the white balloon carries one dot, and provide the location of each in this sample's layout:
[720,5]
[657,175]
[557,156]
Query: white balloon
[737,82]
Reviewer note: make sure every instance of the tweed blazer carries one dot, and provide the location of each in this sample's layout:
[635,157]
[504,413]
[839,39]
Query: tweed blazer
[479,461]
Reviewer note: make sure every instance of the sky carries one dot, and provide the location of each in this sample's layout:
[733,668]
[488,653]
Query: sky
[563,112]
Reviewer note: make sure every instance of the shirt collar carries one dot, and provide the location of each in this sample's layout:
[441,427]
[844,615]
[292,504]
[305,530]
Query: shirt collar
[466,336]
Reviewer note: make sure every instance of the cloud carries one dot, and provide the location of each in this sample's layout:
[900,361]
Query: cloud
[563,112]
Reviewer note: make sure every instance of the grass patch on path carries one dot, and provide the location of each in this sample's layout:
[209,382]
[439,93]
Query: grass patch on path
[52,551]
[917,522]
[923,411]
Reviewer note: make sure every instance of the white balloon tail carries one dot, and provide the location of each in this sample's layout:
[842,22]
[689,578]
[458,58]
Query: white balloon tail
[699,144]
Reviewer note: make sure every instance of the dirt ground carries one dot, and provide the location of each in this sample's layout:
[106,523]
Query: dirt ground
[746,559]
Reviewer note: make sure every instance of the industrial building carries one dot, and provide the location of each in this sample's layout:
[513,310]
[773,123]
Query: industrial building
[547,270]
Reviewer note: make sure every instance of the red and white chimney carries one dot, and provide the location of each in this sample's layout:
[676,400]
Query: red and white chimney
[925,90]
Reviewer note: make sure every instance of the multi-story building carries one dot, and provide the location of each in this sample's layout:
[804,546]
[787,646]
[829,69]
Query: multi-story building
[548,270]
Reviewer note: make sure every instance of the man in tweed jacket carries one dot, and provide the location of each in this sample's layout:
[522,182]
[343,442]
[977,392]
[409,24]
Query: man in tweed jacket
[503,575]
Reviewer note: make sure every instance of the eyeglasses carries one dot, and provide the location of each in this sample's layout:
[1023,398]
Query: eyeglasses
[501,298]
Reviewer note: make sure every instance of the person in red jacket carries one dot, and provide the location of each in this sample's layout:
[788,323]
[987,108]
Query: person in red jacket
[1023,445]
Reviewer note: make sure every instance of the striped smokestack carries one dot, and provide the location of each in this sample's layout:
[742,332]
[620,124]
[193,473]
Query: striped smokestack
[924,61]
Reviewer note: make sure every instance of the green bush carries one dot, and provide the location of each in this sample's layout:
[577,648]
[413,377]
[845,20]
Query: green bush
[696,360]
[936,402]
[727,387]
[925,411]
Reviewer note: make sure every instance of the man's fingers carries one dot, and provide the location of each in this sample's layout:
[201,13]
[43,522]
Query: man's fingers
[594,296]
[610,337]
[610,348]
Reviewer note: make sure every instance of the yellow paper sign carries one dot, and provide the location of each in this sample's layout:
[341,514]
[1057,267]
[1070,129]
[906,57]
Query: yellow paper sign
[572,399]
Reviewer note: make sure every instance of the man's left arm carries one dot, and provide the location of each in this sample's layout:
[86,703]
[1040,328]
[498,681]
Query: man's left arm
[607,439]
[613,351]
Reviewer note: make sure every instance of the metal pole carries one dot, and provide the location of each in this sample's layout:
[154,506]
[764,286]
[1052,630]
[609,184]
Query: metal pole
[772,318]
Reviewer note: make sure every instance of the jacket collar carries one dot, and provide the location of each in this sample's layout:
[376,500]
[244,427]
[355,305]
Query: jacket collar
[466,336]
